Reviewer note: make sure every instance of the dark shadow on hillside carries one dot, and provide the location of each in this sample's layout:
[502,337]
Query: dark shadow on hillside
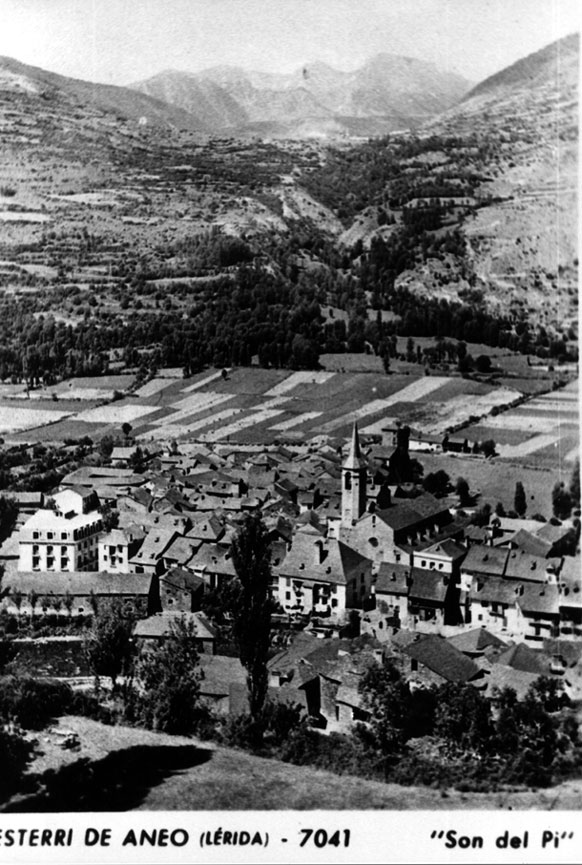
[118,782]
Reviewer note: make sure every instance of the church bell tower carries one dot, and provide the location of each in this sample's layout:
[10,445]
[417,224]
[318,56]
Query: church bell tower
[354,472]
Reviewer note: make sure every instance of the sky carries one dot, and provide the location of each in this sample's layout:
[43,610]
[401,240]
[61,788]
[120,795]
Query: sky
[123,41]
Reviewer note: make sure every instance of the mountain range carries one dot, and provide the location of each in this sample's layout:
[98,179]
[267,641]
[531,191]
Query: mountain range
[387,93]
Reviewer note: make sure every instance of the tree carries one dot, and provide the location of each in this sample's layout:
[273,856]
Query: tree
[169,677]
[462,490]
[106,447]
[561,501]
[488,447]
[483,515]
[108,647]
[253,607]
[520,500]
[575,485]
[8,514]
[437,483]
[126,428]
[483,363]
[385,696]
[462,717]
[136,461]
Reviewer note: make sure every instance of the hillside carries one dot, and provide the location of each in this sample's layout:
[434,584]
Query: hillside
[41,87]
[140,770]
[387,93]
[118,232]
[524,244]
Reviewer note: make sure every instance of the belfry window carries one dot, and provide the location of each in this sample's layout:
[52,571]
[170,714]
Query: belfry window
[348,481]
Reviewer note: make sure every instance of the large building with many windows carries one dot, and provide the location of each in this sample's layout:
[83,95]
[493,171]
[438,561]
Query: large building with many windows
[62,538]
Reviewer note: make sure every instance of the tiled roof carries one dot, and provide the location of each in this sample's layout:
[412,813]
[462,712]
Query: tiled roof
[213,559]
[494,590]
[155,544]
[219,672]
[162,624]
[475,641]
[448,548]
[392,579]
[182,579]
[524,566]
[501,677]
[439,656]
[485,560]
[78,583]
[539,598]
[532,544]
[323,560]
[181,550]
[522,657]
[427,586]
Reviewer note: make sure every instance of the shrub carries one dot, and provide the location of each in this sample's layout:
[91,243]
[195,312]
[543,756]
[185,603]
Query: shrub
[33,702]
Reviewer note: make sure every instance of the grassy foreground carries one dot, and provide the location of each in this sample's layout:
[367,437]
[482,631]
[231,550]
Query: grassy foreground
[135,769]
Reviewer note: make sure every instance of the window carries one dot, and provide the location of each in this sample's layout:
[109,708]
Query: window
[64,536]
[50,535]
[287,596]
[423,563]
[348,481]
[64,551]
[373,542]
[334,602]
[49,550]
[440,566]
[36,535]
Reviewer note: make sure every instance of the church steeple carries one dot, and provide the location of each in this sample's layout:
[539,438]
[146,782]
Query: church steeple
[353,482]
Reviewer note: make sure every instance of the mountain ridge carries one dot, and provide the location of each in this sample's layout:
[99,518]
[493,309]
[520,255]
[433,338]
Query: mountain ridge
[389,90]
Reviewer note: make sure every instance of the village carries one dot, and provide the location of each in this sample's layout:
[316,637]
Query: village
[366,565]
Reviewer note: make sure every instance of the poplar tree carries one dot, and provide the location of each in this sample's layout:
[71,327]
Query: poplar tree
[520,501]
[253,606]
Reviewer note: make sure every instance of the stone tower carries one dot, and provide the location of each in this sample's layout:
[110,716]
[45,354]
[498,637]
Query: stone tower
[354,472]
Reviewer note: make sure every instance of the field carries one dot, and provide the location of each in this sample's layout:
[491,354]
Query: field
[544,432]
[158,772]
[255,405]
[494,479]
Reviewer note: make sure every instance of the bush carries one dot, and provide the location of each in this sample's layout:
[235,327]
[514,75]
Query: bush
[15,753]
[342,754]
[33,702]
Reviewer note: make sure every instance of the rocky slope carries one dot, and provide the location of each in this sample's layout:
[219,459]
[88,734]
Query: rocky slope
[387,93]
[33,87]
[523,243]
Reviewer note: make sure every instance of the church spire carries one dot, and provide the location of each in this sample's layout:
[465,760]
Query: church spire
[354,460]
[354,473]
